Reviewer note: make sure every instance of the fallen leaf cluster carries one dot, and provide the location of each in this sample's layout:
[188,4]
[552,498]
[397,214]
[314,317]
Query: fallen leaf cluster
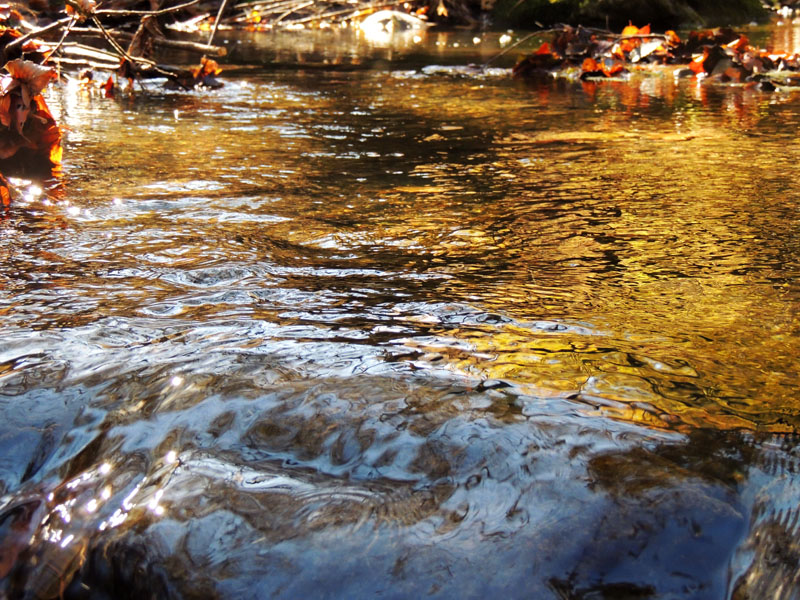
[722,54]
[26,125]
[203,75]
[88,81]
[10,22]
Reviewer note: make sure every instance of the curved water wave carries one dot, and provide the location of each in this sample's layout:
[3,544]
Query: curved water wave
[252,513]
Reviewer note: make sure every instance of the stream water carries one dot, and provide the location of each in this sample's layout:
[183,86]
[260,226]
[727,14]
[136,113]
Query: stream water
[370,322]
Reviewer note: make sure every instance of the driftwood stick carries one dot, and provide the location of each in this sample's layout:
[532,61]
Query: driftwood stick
[150,13]
[158,41]
[191,46]
[73,49]
[258,4]
[38,32]
[83,62]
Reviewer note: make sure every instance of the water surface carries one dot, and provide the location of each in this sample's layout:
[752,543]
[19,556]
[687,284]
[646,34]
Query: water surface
[392,325]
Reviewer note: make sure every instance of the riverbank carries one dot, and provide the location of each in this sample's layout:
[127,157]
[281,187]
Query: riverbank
[615,14]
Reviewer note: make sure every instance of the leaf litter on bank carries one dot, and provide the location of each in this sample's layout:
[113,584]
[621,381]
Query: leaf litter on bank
[33,55]
[720,55]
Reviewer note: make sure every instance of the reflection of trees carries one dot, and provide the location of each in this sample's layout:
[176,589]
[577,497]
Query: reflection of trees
[681,500]
[767,563]
[416,478]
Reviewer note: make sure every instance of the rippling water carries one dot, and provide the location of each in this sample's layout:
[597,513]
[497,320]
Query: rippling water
[383,324]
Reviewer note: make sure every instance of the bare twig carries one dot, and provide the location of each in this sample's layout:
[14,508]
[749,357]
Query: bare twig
[37,33]
[292,9]
[22,8]
[512,46]
[151,13]
[64,36]
[158,41]
[216,21]
[132,60]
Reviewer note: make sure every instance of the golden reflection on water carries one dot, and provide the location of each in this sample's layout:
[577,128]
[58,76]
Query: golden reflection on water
[652,209]
[784,37]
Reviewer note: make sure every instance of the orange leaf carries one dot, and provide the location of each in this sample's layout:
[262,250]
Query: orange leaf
[42,110]
[5,192]
[590,65]
[5,110]
[697,64]
[210,67]
[207,67]
[739,45]
[543,49]
[672,37]
[631,29]
[10,145]
[83,9]
[108,87]
[40,133]
[613,69]
[56,152]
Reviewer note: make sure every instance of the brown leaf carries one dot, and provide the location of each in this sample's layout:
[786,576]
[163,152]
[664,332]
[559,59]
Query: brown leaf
[35,77]
[24,112]
[81,8]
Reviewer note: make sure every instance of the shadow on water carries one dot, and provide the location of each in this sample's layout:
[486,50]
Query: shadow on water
[406,332]
[314,489]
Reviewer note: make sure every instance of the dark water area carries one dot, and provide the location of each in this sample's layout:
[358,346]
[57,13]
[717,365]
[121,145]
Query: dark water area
[390,325]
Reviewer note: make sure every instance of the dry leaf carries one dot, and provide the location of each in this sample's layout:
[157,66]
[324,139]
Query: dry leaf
[35,77]
[24,112]
[81,8]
